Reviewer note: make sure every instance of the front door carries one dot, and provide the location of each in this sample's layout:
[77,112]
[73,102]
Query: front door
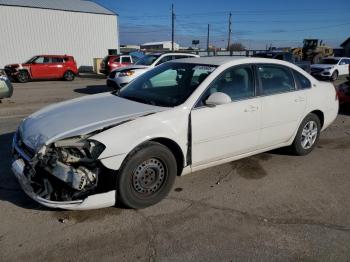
[231,129]
[39,68]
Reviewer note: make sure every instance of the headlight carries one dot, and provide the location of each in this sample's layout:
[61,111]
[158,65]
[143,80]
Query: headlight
[74,150]
[328,68]
[127,73]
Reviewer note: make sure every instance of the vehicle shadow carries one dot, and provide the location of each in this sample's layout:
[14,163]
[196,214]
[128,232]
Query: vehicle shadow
[95,89]
[91,76]
[10,190]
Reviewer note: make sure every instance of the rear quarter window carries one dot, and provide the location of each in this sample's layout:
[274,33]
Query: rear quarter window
[302,81]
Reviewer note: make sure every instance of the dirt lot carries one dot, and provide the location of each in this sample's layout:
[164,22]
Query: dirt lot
[270,207]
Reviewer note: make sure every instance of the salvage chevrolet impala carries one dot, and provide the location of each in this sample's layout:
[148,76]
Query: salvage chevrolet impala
[183,116]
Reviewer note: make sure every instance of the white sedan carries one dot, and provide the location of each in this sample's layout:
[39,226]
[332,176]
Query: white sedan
[123,76]
[183,116]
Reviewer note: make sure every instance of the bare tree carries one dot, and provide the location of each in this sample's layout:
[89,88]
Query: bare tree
[236,47]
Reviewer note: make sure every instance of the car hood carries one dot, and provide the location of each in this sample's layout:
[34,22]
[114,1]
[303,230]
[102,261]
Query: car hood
[79,117]
[323,66]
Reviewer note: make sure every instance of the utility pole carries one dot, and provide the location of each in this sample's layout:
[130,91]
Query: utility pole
[172,27]
[208,40]
[229,32]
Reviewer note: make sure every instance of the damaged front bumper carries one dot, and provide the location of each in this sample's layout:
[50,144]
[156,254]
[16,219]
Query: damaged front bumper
[24,162]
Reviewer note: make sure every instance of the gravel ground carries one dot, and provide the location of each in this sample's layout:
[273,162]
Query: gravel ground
[270,207]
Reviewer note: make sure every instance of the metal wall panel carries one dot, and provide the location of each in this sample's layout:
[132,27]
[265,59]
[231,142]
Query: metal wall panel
[25,32]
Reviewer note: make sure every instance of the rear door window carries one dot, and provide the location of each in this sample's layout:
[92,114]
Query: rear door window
[57,60]
[275,79]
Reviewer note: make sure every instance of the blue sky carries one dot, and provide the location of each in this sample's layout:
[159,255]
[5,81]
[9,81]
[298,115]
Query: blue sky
[255,23]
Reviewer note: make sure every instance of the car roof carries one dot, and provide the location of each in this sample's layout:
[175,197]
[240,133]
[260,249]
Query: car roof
[172,53]
[55,55]
[222,60]
[213,60]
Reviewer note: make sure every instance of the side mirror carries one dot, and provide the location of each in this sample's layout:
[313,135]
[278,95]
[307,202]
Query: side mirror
[218,98]
[342,63]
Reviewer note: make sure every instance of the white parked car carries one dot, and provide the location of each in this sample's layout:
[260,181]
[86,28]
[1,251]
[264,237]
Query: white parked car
[121,77]
[331,67]
[180,117]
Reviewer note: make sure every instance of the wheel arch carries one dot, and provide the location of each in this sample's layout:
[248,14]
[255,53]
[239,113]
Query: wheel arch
[320,115]
[175,149]
[26,70]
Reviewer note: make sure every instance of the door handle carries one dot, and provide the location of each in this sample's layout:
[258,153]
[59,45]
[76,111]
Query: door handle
[299,99]
[251,109]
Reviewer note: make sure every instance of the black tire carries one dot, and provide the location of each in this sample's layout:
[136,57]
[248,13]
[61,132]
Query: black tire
[23,76]
[297,147]
[146,176]
[335,75]
[68,76]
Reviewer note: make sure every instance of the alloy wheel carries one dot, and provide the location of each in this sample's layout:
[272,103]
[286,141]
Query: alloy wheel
[309,134]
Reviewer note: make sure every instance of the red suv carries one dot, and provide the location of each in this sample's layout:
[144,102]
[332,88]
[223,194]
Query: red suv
[44,67]
[111,62]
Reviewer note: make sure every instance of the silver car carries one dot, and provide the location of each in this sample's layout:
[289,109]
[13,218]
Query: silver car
[6,88]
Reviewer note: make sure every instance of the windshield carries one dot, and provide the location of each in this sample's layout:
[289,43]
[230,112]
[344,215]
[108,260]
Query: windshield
[329,61]
[167,85]
[147,60]
[31,60]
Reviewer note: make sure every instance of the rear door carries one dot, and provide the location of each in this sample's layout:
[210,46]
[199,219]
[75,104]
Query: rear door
[56,67]
[39,67]
[282,104]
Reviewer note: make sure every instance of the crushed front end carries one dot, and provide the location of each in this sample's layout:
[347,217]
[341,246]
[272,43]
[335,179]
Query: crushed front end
[64,174]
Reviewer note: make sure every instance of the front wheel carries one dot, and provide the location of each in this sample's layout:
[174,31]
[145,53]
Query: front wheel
[69,76]
[334,75]
[23,76]
[307,135]
[147,175]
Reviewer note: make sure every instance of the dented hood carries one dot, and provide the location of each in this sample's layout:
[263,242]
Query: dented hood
[78,117]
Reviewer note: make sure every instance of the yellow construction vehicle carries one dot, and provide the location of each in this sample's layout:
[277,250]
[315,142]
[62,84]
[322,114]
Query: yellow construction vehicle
[313,50]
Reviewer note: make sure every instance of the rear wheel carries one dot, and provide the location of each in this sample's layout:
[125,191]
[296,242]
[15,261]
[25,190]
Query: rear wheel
[146,176]
[307,135]
[23,76]
[69,76]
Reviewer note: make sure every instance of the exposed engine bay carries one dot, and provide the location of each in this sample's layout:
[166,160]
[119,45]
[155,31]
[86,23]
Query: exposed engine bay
[67,169]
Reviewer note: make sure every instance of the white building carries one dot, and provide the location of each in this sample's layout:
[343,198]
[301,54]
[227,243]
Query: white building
[80,28]
[165,45]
